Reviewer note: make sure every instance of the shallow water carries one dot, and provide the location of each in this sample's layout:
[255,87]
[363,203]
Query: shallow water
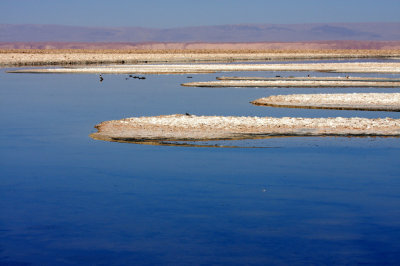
[66,199]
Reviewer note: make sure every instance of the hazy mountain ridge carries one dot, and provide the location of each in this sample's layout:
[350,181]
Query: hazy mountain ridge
[222,33]
[314,45]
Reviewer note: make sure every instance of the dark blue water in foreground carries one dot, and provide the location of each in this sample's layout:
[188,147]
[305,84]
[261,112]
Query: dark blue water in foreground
[66,199]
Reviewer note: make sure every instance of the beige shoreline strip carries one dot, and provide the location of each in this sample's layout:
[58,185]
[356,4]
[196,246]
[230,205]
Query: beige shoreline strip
[292,83]
[191,127]
[66,57]
[364,67]
[346,101]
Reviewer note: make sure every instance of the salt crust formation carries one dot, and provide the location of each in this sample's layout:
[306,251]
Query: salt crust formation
[294,83]
[89,56]
[332,78]
[363,67]
[289,82]
[346,101]
[191,127]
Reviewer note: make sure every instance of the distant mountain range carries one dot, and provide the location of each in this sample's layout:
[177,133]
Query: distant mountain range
[226,33]
[312,45]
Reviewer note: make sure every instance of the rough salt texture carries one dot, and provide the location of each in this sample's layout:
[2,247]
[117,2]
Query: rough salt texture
[348,101]
[293,83]
[51,56]
[338,78]
[364,67]
[191,127]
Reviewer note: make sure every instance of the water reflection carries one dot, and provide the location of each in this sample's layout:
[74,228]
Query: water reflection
[266,141]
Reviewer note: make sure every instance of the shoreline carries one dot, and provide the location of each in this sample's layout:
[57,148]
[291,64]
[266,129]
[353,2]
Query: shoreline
[43,57]
[363,67]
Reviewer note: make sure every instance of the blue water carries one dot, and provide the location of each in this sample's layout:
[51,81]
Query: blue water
[66,199]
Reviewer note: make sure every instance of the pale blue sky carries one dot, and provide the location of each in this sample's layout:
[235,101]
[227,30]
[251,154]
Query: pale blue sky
[181,13]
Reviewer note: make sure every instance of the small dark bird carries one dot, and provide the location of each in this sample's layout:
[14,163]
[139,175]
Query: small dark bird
[277,76]
[101,78]
[187,114]
[142,78]
[189,77]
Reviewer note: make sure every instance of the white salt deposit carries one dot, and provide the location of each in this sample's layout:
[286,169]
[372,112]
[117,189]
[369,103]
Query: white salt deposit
[292,83]
[191,127]
[363,67]
[310,78]
[358,101]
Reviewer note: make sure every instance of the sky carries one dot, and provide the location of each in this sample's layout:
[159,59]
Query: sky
[181,13]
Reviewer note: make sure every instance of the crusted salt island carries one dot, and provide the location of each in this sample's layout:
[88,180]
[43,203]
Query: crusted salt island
[190,127]
[346,101]
[294,83]
[288,82]
[363,67]
[339,78]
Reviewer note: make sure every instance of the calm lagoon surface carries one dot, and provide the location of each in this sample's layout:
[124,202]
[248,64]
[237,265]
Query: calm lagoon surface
[66,199]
